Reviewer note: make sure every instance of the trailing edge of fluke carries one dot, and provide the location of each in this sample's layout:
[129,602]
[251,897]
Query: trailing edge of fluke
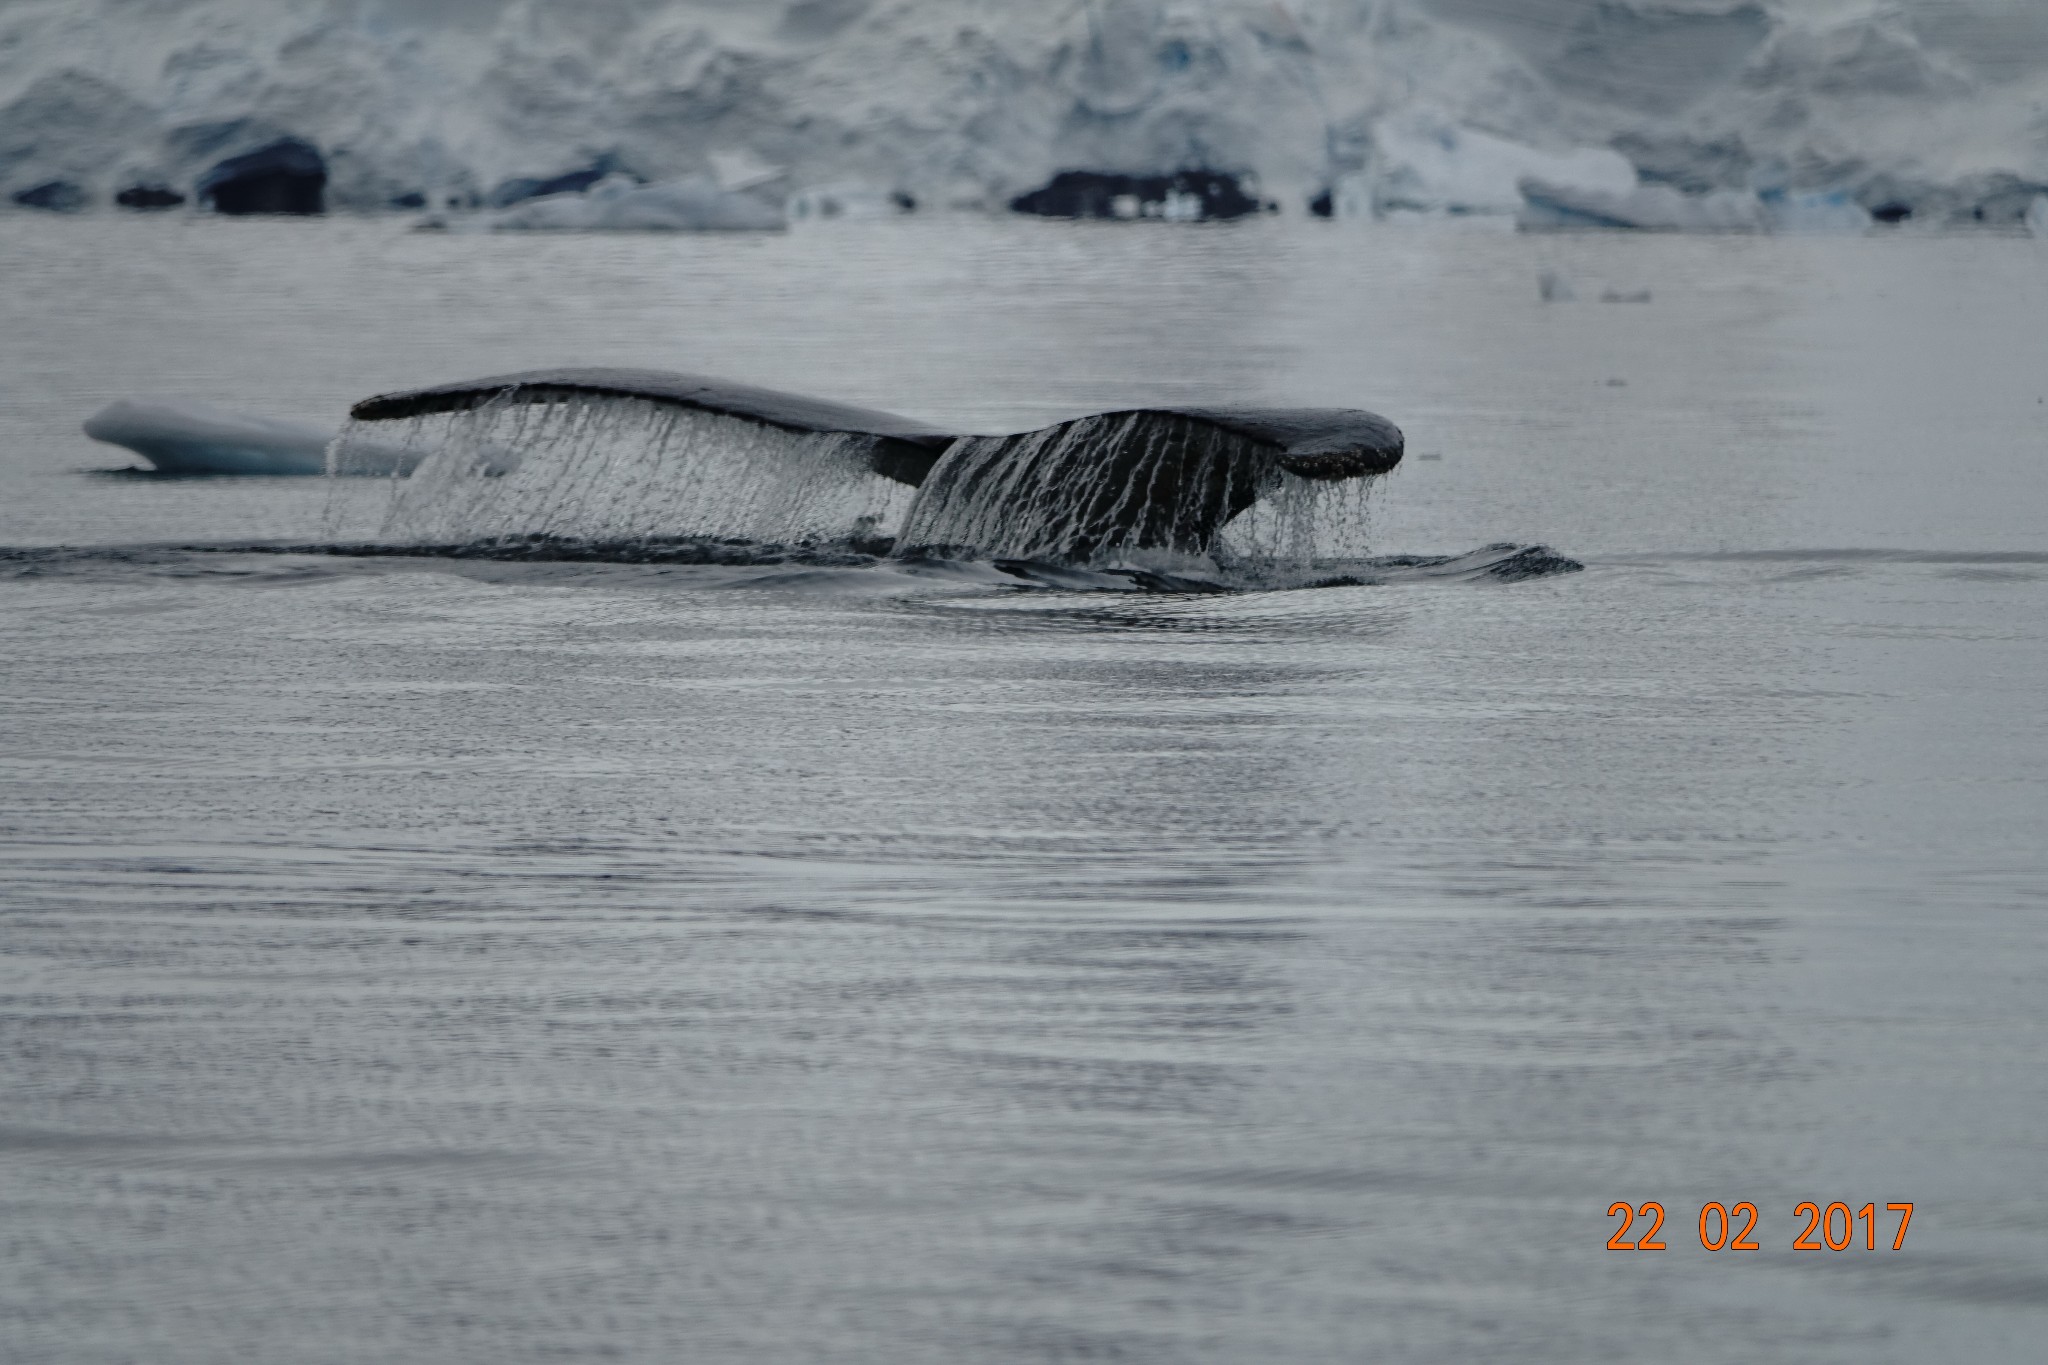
[1314,443]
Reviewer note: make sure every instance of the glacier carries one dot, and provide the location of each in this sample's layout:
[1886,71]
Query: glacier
[1933,110]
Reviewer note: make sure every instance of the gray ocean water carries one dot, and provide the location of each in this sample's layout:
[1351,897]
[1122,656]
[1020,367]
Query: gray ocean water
[407,960]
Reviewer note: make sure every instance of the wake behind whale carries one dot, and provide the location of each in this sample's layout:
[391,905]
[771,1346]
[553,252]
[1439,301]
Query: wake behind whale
[621,463]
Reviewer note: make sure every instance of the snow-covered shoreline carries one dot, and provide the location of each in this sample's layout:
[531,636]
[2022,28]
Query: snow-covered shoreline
[1937,109]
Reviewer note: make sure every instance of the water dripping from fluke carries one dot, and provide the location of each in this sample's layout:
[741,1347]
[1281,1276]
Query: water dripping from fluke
[648,467]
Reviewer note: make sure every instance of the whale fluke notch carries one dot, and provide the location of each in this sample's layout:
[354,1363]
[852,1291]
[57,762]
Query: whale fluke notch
[1100,488]
[901,449]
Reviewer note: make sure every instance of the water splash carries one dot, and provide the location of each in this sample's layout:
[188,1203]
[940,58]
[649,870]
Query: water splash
[1150,491]
[1299,530]
[1094,491]
[594,471]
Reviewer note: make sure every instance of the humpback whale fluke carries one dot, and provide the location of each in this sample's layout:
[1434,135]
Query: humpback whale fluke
[702,457]
[896,447]
[1141,480]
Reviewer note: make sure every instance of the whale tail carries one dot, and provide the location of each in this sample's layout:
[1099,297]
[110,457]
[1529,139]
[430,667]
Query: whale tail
[613,455]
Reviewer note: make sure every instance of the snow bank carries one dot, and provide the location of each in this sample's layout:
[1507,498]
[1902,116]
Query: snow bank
[1932,108]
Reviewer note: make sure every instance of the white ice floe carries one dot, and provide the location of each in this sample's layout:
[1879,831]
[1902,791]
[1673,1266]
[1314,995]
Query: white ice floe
[178,436]
[181,436]
[2037,216]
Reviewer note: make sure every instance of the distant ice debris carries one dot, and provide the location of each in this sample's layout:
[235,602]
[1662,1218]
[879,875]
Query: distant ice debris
[2037,216]
[851,201]
[1651,208]
[1428,163]
[619,203]
[179,436]
[1552,287]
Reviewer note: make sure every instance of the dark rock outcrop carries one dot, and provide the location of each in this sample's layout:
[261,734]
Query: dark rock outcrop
[288,176]
[149,197]
[1187,194]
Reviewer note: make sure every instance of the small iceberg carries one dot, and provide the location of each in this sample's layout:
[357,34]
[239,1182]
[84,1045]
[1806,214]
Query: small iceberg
[2037,216]
[619,203]
[182,437]
[1549,206]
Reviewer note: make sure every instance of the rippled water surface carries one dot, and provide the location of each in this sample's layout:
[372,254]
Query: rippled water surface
[443,961]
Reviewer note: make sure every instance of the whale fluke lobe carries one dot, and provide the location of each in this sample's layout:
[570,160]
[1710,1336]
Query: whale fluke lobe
[611,461]
[1137,484]
[897,448]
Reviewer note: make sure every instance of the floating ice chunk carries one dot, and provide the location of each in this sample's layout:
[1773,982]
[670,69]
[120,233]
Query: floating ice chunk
[183,437]
[618,203]
[1554,288]
[1428,163]
[2037,216]
[1650,208]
